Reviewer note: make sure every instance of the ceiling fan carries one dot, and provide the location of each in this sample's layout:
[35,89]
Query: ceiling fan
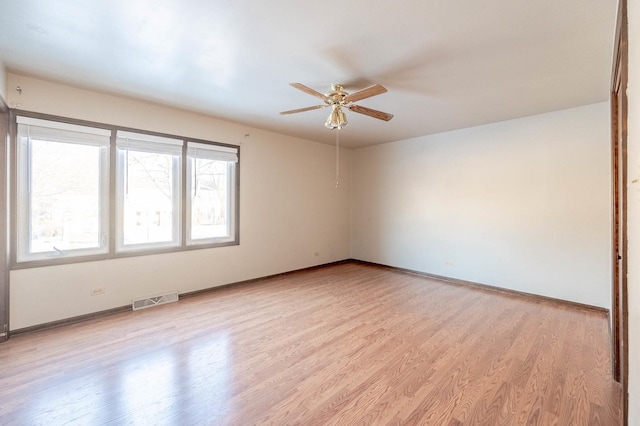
[337,99]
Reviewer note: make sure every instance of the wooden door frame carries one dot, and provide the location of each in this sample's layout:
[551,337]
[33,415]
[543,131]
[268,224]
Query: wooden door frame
[4,223]
[619,311]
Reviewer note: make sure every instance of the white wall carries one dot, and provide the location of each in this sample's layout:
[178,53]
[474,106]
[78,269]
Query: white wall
[289,211]
[633,156]
[522,204]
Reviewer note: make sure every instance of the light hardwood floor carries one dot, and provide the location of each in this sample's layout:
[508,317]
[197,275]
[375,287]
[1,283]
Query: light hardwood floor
[346,344]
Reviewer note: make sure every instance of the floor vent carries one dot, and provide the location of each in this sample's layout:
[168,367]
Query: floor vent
[148,302]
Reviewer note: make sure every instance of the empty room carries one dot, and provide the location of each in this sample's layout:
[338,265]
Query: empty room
[319,213]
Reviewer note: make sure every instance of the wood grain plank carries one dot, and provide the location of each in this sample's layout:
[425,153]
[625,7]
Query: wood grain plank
[343,344]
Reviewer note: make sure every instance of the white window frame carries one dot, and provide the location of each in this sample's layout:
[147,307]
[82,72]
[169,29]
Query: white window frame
[29,128]
[110,197]
[142,142]
[219,153]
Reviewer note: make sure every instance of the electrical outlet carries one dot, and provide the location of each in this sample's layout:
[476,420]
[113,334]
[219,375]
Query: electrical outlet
[96,291]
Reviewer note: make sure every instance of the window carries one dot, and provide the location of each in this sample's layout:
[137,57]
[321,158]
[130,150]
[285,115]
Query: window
[211,201]
[63,178]
[148,191]
[107,192]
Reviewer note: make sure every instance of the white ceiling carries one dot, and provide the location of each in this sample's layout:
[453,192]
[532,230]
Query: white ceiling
[447,64]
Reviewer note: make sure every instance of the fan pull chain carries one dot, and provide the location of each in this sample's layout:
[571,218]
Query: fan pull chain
[337,157]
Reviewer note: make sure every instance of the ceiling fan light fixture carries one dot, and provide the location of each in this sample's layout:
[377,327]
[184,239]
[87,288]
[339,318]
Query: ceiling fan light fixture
[342,119]
[337,119]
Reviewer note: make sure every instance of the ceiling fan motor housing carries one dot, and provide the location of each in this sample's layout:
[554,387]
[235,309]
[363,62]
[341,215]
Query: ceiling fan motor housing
[336,97]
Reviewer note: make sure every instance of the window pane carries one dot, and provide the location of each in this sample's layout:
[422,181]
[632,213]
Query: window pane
[149,197]
[64,204]
[64,191]
[210,212]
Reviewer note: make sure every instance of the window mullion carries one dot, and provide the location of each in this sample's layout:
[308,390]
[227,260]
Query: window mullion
[113,213]
[185,195]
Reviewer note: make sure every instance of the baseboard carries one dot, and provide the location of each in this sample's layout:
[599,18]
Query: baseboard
[68,321]
[531,296]
[266,277]
[107,312]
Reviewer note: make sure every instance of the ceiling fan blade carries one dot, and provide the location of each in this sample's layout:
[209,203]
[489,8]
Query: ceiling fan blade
[370,91]
[371,112]
[293,111]
[310,91]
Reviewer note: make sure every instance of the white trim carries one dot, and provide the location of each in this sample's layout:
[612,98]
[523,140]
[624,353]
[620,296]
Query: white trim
[212,147]
[176,200]
[148,143]
[29,121]
[23,208]
[212,152]
[230,201]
